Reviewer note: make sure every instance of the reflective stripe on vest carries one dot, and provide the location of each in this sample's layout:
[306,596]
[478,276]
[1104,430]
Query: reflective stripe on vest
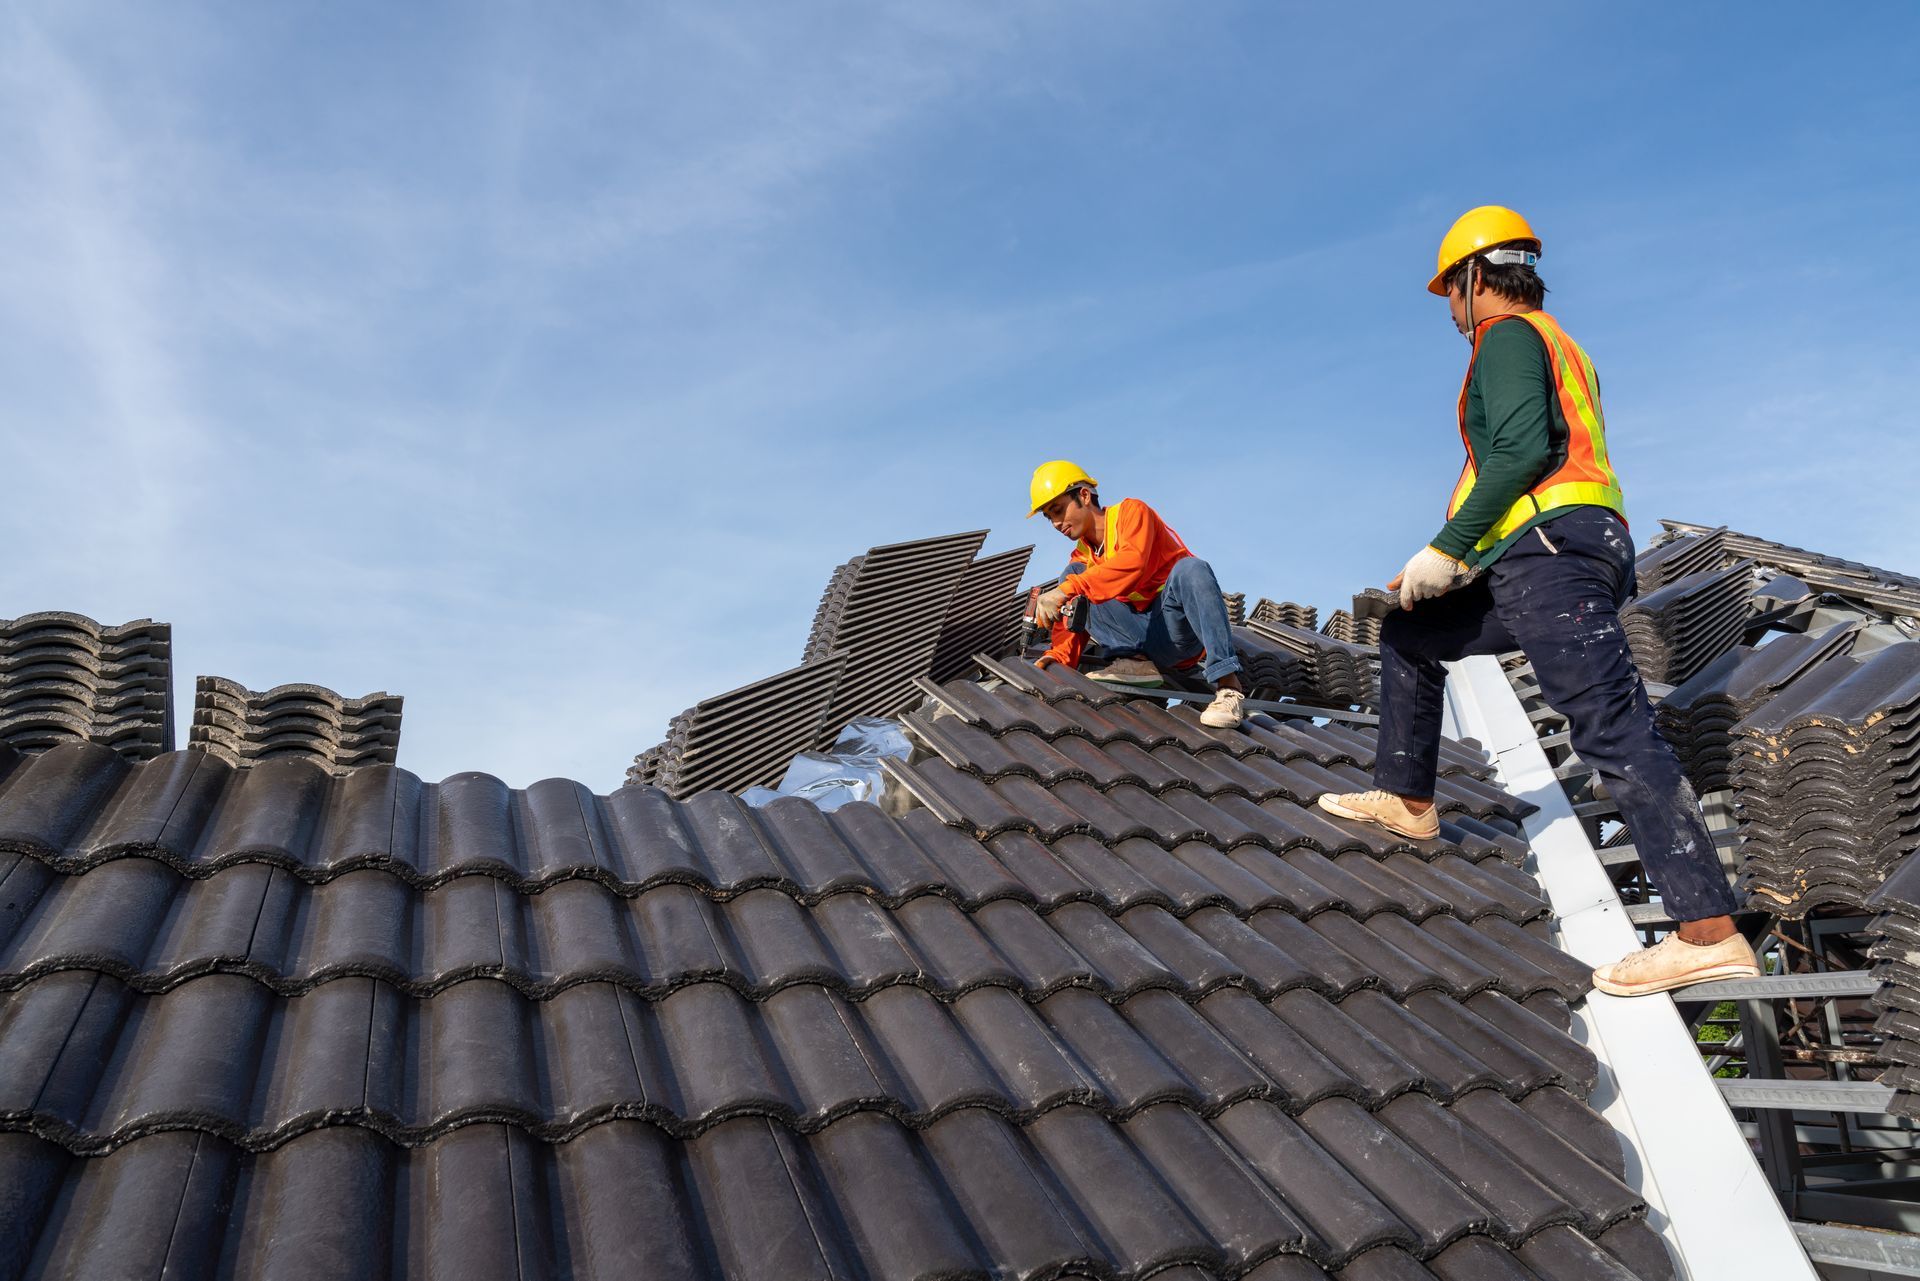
[1084,554]
[1586,477]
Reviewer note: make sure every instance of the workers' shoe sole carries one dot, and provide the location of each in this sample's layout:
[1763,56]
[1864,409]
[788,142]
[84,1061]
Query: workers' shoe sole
[1424,833]
[1673,962]
[1652,986]
[1137,677]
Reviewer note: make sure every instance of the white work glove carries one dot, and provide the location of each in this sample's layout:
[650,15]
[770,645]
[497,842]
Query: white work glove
[1430,573]
[1047,610]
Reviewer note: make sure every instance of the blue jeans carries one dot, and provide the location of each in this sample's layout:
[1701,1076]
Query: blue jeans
[1187,617]
[1556,594]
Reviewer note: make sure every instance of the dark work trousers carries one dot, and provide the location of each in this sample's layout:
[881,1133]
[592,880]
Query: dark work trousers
[1556,594]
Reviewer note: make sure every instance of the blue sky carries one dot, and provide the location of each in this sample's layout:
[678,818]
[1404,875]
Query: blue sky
[540,363]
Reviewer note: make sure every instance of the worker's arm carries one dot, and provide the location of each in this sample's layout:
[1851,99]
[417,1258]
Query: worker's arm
[1515,390]
[1066,646]
[1123,566]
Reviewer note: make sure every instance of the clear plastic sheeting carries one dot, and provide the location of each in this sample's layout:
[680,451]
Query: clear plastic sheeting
[849,772]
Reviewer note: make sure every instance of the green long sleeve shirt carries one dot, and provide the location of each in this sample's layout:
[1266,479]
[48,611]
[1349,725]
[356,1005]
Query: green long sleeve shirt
[1518,432]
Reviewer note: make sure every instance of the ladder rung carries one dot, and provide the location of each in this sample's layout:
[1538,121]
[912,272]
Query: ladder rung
[1807,1096]
[1781,987]
[1596,809]
[1648,914]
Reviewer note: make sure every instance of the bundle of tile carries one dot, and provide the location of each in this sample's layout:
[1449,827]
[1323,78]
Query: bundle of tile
[1826,781]
[886,616]
[1895,954]
[1881,589]
[1236,603]
[1681,555]
[745,737]
[826,616]
[1271,669]
[1679,628]
[1699,718]
[1361,625]
[645,770]
[306,722]
[1284,612]
[65,677]
[1337,673]
[984,615]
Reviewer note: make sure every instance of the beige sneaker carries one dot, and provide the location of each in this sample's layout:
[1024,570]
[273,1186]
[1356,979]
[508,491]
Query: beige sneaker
[1386,809]
[1228,710]
[1137,672]
[1674,962]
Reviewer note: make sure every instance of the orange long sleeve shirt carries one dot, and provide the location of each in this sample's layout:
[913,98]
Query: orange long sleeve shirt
[1132,565]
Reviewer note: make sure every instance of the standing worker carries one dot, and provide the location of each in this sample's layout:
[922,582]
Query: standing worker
[1535,555]
[1153,603]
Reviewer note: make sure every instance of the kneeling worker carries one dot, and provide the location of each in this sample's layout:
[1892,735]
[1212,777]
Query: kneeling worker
[1153,603]
[1537,511]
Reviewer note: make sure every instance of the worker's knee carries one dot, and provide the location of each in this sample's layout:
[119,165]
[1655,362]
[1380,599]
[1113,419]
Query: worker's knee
[1073,567]
[1192,579]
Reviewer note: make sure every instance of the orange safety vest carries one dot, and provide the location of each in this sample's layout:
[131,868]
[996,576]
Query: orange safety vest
[1585,478]
[1176,550]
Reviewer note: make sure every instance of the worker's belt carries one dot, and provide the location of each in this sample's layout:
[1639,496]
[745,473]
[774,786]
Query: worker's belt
[1574,493]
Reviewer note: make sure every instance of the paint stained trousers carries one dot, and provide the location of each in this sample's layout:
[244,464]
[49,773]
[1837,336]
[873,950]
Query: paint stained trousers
[1556,594]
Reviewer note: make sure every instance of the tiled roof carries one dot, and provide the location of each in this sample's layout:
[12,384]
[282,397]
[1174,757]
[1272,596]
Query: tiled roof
[242,726]
[64,677]
[1161,1020]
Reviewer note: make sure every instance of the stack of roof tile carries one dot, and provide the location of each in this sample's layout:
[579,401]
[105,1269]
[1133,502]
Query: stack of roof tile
[1236,603]
[1826,781]
[1336,672]
[1272,670]
[984,615]
[1680,556]
[309,722]
[826,616]
[1284,612]
[1159,1020]
[889,608]
[645,770]
[1678,629]
[1895,953]
[1700,716]
[65,677]
[1881,589]
[745,737]
[1361,625]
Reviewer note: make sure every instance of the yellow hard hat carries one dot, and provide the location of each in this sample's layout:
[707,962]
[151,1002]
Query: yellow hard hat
[1050,480]
[1474,230]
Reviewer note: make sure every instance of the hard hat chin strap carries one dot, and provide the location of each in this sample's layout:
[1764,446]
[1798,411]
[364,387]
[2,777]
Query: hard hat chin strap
[1466,286]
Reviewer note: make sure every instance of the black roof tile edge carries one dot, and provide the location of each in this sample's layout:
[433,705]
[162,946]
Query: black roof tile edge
[306,875]
[80,1142]
[1404,1244]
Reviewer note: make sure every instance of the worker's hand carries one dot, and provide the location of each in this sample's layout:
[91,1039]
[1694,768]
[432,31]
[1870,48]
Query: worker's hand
[1047,610]
[1429,574]
[1043,662]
